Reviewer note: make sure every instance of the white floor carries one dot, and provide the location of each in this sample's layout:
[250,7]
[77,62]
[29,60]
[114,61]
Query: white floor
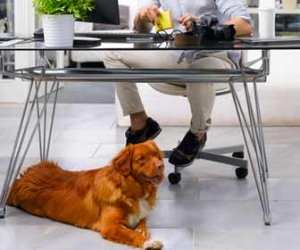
[209,210]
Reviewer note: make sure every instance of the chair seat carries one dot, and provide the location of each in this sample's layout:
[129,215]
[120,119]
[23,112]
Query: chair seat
[179,89]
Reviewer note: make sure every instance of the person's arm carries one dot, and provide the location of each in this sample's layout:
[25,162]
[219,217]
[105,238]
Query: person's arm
[146,18]
[242,27]
[237,14]
[147,15]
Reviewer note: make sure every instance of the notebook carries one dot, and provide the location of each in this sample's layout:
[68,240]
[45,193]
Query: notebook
[275,40]
[166,21]
[6,37]
[83,41]
[7,43]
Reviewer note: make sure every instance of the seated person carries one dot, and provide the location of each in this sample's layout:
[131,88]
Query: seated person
[200,96]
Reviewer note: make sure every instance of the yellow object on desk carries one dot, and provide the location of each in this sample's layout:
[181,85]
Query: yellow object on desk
[166,21]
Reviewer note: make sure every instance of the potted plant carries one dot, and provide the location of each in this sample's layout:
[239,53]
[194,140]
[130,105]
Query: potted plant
[58,17]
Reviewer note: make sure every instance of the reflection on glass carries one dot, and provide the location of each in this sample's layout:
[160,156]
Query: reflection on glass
[288,24]
[6,27]
[3,16]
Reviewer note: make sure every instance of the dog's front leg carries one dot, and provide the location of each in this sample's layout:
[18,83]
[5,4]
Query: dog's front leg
[112,227]
[142,228]
[124,235]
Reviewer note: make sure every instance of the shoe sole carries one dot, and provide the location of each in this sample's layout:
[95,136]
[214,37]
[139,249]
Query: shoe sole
[185,165]
[150,138]
[190,163]
[155,135]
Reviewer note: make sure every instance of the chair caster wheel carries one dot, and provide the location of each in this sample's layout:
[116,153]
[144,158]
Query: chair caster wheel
[240,155]
[174,178]
[241,173]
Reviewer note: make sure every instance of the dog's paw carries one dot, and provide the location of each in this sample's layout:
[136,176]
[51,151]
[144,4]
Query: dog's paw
[152,245]
[143,232]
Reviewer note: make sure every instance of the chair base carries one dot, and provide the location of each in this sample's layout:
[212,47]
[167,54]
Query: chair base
[216,155]
[2,212]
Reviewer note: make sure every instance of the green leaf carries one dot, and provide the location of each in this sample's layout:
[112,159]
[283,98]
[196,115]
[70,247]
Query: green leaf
[77,8]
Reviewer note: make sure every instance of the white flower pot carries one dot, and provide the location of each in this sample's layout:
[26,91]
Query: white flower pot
[58,30]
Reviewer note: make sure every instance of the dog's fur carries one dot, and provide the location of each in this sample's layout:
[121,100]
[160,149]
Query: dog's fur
[113,200]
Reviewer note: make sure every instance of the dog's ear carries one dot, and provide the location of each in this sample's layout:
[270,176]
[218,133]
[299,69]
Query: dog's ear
[161,153]
[123,160]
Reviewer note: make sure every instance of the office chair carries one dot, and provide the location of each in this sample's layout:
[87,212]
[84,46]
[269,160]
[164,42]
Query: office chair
[217,154]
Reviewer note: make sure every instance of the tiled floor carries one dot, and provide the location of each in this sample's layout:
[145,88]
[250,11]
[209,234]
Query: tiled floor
[209,210]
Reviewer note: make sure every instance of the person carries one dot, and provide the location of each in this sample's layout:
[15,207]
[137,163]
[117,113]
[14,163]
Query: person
[200,96]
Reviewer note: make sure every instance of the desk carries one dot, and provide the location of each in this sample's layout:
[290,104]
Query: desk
[249,118]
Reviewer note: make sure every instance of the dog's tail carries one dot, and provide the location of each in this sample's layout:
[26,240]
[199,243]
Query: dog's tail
[21,188]
[13,195]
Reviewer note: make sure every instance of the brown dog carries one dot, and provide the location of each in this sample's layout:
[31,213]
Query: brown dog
[114,200]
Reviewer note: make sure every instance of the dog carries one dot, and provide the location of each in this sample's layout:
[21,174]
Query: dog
[114,200]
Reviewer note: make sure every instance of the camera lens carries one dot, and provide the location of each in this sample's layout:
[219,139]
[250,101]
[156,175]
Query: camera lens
[224,32]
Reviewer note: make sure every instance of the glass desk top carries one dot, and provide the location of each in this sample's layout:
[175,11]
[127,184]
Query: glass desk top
[30,43]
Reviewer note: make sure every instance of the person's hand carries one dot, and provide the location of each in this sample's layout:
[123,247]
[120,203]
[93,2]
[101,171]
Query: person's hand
[186,21]
[150,14]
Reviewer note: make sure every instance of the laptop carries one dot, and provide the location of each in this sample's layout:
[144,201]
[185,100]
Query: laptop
[114,34]
[275,40]
[122,34]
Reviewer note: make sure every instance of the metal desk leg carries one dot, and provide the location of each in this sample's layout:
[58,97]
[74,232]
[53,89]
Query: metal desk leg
[252,131]
[22,143]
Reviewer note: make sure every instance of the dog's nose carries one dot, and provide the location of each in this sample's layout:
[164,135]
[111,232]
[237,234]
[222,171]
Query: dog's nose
[160,166]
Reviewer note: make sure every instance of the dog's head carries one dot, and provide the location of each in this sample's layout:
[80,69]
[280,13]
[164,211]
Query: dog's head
[144,161]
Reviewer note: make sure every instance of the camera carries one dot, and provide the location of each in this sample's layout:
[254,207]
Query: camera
[209,29]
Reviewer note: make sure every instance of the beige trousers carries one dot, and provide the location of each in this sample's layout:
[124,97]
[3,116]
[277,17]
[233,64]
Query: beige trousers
[200,96]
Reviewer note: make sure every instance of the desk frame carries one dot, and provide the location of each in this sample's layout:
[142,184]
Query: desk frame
[249,117]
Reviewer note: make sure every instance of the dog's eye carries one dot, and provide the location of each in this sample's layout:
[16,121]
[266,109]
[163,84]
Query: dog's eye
[142,159]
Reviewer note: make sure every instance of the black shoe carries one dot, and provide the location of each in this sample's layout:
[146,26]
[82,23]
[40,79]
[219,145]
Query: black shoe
[187,150]
[149,132]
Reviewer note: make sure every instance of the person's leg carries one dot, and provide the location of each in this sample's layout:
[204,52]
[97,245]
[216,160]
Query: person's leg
[142,127]
[127,93]
[201,98]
